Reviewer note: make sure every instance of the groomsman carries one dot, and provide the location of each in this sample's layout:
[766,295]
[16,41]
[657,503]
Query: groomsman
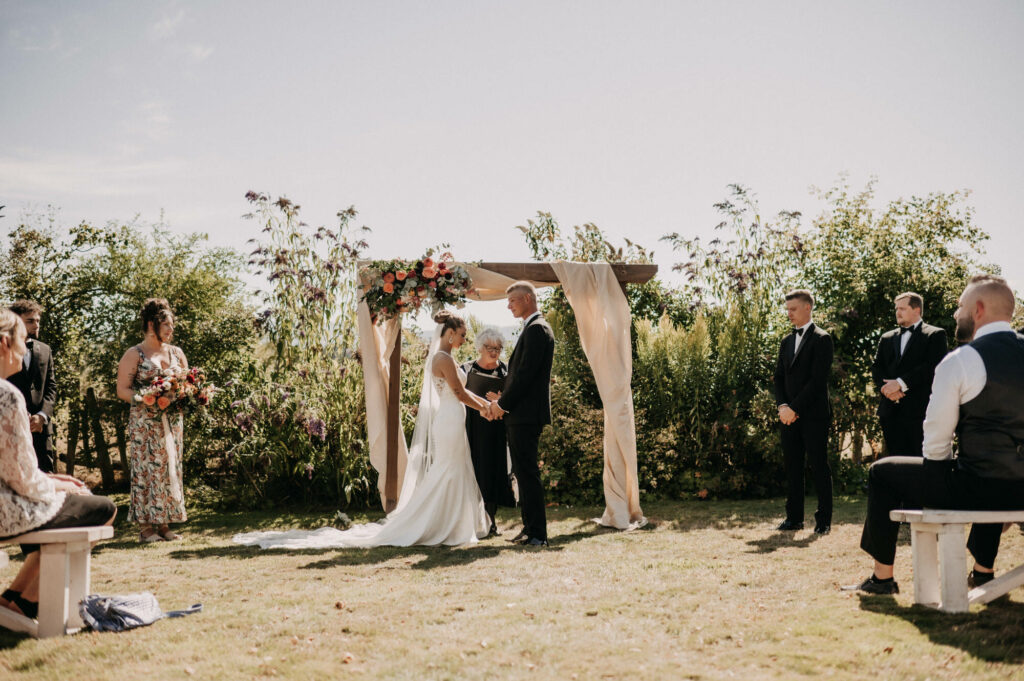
[801,392]
[37,383]
[903,370]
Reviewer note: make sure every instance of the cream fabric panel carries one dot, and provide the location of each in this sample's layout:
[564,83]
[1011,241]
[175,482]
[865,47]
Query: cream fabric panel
[375,344]
[604,320]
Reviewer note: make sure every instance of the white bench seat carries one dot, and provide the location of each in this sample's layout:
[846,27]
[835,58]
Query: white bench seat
[64,574]
[940,564]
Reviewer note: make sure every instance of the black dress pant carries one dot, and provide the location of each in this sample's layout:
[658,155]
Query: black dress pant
[903,436]
[806,441]
[899,482]
[522,444]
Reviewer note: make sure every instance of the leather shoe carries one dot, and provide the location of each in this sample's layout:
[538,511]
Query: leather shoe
[822,529]
[871,586]
[494,532]
[520,538]
[976,579]
[790,525]
[534,541]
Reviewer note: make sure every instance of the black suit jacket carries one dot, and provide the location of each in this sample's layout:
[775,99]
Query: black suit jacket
[527,393]
[39,386]
[801,381]
[916,367]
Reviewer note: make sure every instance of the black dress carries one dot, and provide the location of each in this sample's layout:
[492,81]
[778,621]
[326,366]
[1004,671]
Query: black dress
[488,448]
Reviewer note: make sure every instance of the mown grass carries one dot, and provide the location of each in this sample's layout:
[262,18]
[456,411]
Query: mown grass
[707,591]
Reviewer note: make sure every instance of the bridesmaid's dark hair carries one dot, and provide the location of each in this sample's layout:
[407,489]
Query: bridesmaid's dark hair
[156,311]
[449,320]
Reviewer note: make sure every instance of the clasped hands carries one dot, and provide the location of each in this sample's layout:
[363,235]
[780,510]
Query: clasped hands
[36,423]
[492,412]
[787,415]
[893,390]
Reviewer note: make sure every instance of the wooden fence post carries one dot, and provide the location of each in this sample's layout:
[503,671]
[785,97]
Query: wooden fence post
[102,453]
[69,455]
[120,424]
[83,429]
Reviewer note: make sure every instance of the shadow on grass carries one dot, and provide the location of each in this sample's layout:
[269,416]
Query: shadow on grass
[432,556]
[994,634]
[780,540]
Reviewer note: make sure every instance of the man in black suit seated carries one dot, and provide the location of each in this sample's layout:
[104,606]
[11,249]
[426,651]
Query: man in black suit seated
[977,396]
[903,369]
[37,383]
[801,393]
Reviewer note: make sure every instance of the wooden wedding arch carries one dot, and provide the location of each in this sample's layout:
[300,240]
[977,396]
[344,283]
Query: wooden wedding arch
[597,294]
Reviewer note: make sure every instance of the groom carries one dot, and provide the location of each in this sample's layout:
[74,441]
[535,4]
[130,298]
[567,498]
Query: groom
[525,405]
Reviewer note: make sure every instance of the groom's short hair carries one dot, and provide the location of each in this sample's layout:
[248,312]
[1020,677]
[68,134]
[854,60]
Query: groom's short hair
[522,287]
[801,294]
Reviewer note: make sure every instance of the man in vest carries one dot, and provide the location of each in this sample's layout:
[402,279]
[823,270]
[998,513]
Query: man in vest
[978,396]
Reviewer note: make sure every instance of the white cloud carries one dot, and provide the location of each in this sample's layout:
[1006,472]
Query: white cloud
[198,53]
[167,25]
[35,39]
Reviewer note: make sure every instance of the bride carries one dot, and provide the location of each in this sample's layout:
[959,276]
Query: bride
[440,502]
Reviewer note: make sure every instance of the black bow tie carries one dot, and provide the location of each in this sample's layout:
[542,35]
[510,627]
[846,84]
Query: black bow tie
[798,332]
[906,329]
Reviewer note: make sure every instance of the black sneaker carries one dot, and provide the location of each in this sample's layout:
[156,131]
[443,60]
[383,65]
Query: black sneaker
[976,578]
[873,586]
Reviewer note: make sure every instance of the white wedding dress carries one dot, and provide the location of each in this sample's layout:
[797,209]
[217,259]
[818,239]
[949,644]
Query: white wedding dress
[440,503]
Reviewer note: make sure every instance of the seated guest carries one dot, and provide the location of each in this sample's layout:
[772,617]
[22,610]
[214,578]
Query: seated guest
[487,445]
[977,395]
[30,499]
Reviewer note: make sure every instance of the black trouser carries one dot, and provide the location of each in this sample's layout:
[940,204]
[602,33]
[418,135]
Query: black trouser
[912,482]
[522,444]
[803,442]
[903,436]
[79,510]
[44,455]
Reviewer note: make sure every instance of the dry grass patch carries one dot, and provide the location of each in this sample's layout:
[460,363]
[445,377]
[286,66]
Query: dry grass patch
[708,591]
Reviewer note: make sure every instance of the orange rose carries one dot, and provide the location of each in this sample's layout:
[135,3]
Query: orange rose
[148,400]
[388,277]
[429,273]
[389,287]
[427,262]
[163,403]
[400,275]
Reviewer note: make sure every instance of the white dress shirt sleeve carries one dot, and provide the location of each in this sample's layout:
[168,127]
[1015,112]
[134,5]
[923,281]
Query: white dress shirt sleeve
[959,378]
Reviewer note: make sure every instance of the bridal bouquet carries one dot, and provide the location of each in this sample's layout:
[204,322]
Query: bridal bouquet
[175,389]
[393,287]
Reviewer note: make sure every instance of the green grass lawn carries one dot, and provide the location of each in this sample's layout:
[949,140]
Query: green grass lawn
[706,591]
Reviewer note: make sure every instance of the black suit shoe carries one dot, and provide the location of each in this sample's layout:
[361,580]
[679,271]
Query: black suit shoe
[822,529]
[790,525]
[494,532]
[520,538]
[875,587]
[534,541]
[974,578]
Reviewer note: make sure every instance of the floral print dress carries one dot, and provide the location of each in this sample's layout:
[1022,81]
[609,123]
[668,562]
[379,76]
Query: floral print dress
[157,492]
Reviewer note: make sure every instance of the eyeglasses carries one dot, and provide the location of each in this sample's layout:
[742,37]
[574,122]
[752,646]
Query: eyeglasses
[492,348]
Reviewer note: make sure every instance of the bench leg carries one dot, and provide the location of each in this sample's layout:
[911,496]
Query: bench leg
[925,555]
[79,575]
[988,592]
[53,590]
[953,566]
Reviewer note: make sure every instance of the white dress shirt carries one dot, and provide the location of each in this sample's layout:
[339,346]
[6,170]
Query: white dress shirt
[959,378]
[531,318]
[904,339]
[799,338]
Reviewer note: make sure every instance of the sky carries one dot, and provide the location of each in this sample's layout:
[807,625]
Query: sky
[455,121]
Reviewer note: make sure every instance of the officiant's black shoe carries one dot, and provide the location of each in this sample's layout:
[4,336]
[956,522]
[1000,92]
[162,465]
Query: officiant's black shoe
[790,525]
[875,587]
[974,579]
[534,541]
[494,532]
[822,529]
[520,538]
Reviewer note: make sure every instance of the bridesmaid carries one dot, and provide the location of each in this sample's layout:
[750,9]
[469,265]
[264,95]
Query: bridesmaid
[157,492]
[487,438]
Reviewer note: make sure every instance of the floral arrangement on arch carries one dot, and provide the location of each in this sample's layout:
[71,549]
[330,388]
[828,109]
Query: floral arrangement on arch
[394,287]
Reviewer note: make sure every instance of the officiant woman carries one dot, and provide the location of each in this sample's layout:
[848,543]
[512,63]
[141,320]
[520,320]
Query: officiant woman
[487,438]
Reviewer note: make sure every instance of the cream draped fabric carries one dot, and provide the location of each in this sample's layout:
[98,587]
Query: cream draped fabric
[604,322]
[603,319]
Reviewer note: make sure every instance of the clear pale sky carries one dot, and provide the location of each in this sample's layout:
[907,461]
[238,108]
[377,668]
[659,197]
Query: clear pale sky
[456,121]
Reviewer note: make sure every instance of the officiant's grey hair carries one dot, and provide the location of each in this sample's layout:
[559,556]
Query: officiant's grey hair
[489,335]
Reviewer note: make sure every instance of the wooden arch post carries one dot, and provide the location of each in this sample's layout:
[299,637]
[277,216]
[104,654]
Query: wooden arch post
[394,425]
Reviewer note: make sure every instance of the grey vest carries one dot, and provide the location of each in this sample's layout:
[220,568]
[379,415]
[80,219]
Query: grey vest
[991,428]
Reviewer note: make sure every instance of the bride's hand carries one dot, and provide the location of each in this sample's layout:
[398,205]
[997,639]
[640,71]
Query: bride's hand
[493,396]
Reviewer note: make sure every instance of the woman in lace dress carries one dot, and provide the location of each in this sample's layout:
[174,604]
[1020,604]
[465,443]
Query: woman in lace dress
[440,503]
[29,498]
[154,442]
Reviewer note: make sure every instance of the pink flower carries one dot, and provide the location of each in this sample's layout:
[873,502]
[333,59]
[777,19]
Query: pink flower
[428,263]
[400,275]
[389,287]
[148,400]
[163,403]
[389,277]
[429,272]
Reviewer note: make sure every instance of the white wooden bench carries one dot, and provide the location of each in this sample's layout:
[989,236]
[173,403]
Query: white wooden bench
[64,564]
[940,563]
